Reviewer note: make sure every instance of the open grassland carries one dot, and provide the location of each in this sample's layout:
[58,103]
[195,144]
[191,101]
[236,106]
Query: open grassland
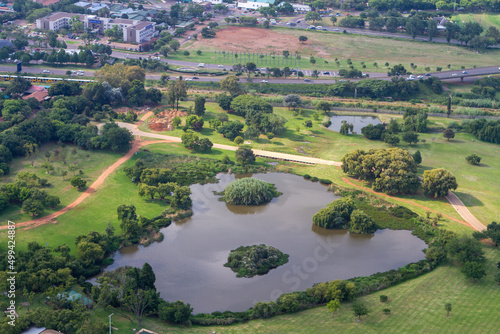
[326,46]
[485,20]
[92,164]
[417,306]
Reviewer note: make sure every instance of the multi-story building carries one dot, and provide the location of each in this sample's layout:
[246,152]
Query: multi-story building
[57,20]
[139,33]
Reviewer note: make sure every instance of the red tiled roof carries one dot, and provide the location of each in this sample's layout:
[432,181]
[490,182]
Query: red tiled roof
[39,95]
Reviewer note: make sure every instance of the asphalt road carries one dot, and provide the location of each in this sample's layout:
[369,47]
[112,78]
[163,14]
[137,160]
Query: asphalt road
[447,75]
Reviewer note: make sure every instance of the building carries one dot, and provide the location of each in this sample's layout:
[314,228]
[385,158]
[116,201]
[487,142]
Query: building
[301,8]
[83,4]
[254,4]
[213,2]
[139,33]
[441,22]
[56,21]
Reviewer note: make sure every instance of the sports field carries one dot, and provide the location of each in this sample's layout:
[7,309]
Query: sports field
[486,20]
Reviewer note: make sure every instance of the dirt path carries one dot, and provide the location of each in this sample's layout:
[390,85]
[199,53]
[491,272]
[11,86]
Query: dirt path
[466,223]
[464,212]
[89,191]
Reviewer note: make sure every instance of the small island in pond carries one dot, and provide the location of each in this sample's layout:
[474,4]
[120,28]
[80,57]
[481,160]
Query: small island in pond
[248,261]
[249,191]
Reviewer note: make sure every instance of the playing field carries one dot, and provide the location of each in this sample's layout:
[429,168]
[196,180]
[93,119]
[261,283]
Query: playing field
[486,20]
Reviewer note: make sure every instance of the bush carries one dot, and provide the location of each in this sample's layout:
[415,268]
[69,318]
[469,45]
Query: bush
[314,179]
[383,298]
[325,181]
[473,159]
[249,191]
[307,176]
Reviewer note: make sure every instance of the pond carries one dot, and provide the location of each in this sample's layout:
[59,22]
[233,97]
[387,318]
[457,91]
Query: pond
[188,263]
[359,122]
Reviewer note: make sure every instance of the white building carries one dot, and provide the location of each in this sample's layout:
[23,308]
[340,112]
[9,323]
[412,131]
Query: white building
[301,8]
[213,2]
[252,5]
[139,33]
[56,21]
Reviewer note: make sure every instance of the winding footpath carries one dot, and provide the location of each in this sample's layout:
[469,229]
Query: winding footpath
[89,191]
[468,217]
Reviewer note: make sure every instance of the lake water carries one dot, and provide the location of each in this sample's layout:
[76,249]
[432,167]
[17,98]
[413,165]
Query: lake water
[188,263]
[359,122]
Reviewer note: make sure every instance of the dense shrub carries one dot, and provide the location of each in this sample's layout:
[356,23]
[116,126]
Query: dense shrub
[249,191]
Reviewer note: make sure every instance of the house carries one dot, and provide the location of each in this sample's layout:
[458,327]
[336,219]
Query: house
[43,330]
[40,96]
[441,22]
[301,8]
[83,4]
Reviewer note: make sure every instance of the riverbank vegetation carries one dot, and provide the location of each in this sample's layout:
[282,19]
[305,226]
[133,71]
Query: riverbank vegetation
[249,191]
[249,261]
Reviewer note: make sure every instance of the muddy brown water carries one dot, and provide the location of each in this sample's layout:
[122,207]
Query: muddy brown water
[188,263]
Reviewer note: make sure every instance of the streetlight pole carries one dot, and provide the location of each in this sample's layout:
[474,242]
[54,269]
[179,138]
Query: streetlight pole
[109,316]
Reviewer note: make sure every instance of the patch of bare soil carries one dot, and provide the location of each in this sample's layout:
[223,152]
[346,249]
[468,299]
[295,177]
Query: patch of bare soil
[163,120]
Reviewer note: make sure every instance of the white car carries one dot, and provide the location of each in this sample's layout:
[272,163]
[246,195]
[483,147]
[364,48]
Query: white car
[189,79]
[46,71]
[453,74]
[265,81]
[420,77]
[336,29]
[220,65]
[80,73]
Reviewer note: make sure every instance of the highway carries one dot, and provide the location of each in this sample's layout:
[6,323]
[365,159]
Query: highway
[446,75]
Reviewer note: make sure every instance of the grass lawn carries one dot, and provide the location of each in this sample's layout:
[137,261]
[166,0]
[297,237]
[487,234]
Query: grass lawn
[417,306]
[477,184]
[326,46]
[92,163]
[485,20]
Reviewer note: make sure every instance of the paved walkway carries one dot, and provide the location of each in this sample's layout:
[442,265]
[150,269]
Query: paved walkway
[260,153]
[464,212]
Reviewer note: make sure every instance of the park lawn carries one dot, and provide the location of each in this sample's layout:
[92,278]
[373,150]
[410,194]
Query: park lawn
[485,20]
[92,163]
[325,47]
[477,184]
[94,213]
[417,306]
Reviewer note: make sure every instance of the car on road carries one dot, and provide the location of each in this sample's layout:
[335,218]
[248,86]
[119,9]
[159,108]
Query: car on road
[307,80]
[427,74]
[453,74]
[464,72]
[189,79]
[195,78]
[420,77]
[108,42]
[326,73]
[319,27]
[46,71]
[298,21]
[336,29]
[265,81]
[220,65]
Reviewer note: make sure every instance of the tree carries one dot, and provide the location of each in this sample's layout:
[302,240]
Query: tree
[473,159]
[345,128]
[417,157]
[447,308]
[313,16]
[308,123]
[231,85]
[360,309]
[432,29]
[302,39]
[147,278]
[199,105]
[245,155]
[333,19]
[474,270]
[492,232]
[333,306]
[449,134]
[176,312]
[138,302]
[410,137]
[323,106]
[238,140]
[438,182]
[390,138]
[31,151]
[361,223]
[174,44]
[292,101]
[137,93]
[78,182]
[33,207]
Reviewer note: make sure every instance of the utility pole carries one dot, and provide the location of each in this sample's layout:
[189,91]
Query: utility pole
[109,316]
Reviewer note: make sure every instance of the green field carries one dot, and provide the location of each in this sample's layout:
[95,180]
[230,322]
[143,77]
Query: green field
[91,163]
[326,46]
[486,20]
[477,184]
